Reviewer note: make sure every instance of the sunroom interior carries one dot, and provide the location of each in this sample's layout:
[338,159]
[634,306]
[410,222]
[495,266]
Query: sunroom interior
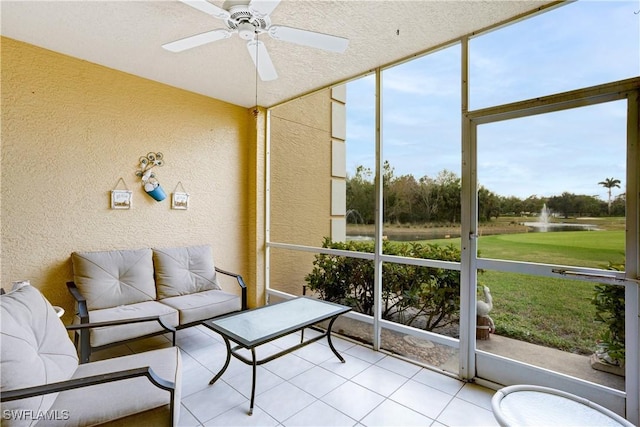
[269,165]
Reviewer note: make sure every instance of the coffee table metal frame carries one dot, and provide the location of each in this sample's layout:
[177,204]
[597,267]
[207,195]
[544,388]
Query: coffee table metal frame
[240,332]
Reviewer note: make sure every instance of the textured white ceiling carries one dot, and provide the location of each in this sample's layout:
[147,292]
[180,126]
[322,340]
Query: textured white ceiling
[127,36]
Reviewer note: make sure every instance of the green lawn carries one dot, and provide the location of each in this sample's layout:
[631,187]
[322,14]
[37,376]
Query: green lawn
[553,312]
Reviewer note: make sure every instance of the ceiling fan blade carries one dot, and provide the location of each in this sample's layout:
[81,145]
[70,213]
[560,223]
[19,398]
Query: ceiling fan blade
[263,8]
[197,40]
[208,8]
[260,56]
[309,38]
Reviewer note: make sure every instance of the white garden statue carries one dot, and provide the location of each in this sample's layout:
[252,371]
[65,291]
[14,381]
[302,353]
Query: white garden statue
[484,307]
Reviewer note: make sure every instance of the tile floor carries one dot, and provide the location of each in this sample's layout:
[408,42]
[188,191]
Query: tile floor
[311,387]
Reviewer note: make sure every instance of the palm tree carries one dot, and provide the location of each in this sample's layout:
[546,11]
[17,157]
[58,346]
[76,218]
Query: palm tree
[610,183]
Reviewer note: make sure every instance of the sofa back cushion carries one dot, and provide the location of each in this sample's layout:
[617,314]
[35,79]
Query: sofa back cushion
[35,349]
[113,278]
[185,270]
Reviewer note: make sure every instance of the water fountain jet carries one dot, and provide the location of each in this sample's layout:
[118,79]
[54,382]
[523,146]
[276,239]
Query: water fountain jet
[543,225]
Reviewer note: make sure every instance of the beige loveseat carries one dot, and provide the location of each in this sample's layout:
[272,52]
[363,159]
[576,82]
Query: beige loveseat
[41,382]
[177,286]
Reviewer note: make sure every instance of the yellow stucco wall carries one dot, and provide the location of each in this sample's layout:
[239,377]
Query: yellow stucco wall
[71,129]
[300,152]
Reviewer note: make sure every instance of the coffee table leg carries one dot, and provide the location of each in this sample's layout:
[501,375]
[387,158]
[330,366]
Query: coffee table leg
[226,364]
[330,343]
[253,382]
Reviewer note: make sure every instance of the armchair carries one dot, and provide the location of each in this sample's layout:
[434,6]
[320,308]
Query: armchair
[41,379]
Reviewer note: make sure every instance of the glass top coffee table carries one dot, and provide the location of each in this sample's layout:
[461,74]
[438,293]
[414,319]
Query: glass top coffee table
[252,328]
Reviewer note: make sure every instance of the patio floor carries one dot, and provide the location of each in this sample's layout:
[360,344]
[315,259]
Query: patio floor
[310,387]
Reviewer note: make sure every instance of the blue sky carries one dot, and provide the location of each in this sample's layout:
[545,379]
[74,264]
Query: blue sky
[577,45]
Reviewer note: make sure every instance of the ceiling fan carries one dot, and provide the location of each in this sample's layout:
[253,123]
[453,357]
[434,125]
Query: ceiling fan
[249,21]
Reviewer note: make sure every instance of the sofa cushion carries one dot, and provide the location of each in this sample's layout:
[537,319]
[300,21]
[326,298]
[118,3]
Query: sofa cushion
[35,349]
[204,305]
[112,278]
[100,403]
[111,334]
[185,270]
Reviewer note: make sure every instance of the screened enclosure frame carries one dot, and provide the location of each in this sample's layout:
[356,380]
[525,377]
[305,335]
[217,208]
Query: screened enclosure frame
[480,366]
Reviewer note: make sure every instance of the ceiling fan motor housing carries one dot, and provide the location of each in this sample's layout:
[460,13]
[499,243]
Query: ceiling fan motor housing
[246,22]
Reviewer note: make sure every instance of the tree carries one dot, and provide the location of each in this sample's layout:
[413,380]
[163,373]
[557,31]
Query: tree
[361,196]
[618,206]
[610,183]
[565,203]
[488,204]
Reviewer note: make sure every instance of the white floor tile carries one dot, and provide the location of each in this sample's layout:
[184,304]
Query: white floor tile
[319,414]
[352,366]
[235,367]
[262,351]
[340,344]
[421,398]
[194,341]
[195,377]
[211,356]
[283,401]
[287,341]
[187,360]
[187,331]
[316,353]
[213,401]
[480,396]
[390,413]
[288,366]
[438,381]
[365,353]
[311,333]
[353,400]
[239,416]
[311,387]
[399,366]
[213,334]
[265,380]
[317,381]
[187,419]
[463,413]
[380,380]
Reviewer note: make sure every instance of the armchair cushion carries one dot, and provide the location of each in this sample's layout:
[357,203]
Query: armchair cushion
[184,270]
[112,278]
[128,397]
[35,349]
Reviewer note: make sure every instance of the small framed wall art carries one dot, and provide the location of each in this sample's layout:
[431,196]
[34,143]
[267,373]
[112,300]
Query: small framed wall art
[179,199]
[121,199]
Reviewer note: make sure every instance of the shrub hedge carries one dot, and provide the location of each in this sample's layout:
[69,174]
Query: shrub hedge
[423,297]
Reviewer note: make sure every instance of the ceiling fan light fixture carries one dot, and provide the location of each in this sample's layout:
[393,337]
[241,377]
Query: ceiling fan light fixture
[246,31]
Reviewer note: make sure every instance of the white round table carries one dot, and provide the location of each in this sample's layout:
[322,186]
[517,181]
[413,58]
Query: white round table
[530,405]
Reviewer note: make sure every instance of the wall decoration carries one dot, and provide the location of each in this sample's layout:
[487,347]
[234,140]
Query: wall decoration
[121,199]
[179,199]
[148,177]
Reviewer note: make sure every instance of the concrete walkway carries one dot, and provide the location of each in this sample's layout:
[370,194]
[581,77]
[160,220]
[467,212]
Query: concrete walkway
[556,360]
